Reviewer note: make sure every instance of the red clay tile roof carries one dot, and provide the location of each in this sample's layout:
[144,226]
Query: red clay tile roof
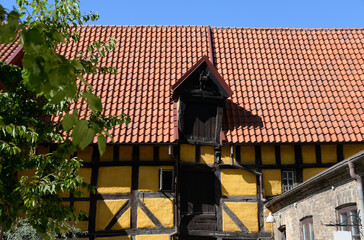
[289,85]
[7,52]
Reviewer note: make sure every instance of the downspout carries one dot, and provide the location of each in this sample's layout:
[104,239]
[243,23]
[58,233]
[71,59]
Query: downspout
[359,187]
[249,170]
[170,153]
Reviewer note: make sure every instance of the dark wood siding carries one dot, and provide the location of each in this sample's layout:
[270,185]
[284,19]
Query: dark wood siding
[200,121]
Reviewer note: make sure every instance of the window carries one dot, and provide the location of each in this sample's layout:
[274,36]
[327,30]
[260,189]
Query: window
[349,220]
[307,228]
[288,180]
[282,232]
[165,180]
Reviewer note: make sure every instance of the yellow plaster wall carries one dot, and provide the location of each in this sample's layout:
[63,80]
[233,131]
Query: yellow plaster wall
[146,153]
[247,154]
[287,154]
[162,208]
[247,213]
[207,155]
[82,225]
[106,210]
[310,172]
[114,238]
[308,154]
[163,153]
[268,154]
[272,182]
[114,180]
[267,226]
[84,207]
[126,153]
[149,178]
[351,149]
[143,221]
[108,155]
[228,224]
[187,153]
[237,182]
[328,153]
[26,173]
[123,222]
[225,155]
[85,154]
[153,237]
[86,174]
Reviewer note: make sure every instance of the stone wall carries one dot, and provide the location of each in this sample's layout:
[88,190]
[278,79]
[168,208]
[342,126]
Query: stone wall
[321,206]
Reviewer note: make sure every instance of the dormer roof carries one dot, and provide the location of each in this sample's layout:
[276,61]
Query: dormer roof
[205,64]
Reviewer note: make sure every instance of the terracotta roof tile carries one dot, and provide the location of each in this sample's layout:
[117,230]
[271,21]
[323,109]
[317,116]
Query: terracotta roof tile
[289,85]
[8,52]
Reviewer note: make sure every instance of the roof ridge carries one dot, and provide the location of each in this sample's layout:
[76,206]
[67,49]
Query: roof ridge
[219,27]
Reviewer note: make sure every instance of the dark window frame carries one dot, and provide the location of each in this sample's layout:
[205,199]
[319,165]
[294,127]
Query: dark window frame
[307,221]
[294,184]
[162,178]
[346,212]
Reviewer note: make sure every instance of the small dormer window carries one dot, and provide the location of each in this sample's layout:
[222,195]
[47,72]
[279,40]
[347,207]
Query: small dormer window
[201,93]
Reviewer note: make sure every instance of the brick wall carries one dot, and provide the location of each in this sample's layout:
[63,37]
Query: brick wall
[321,206]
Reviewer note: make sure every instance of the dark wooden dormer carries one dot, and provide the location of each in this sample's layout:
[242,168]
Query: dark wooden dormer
[201,93]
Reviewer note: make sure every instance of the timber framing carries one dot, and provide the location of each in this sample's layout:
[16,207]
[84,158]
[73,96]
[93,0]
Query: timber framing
[134,197]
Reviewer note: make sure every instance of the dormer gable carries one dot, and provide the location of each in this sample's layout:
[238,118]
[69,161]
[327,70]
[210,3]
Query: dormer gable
[201,94]
[202,79]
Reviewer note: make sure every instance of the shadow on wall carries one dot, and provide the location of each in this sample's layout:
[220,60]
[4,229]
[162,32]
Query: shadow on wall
[235,116]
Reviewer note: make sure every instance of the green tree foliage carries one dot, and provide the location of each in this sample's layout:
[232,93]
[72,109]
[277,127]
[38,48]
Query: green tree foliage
[31,98]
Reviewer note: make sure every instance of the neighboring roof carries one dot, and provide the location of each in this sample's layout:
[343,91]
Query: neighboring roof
[289,85]
[8,52]
[333,176]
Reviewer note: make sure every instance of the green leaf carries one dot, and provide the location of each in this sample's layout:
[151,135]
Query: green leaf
[68,121]
[93,101]
[85,82]
[2,124]
[87,138]
[77,65]
[101,143]
[58,37]
[79,131]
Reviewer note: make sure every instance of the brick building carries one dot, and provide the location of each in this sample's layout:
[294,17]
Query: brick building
[234,115]
[329,202]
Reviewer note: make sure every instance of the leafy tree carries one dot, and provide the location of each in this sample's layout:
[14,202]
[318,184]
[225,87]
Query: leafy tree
[35,110]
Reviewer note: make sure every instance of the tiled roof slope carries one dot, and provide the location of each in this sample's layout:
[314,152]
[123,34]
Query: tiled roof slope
[292,85]
[150,59]
[289,85]
[7,51]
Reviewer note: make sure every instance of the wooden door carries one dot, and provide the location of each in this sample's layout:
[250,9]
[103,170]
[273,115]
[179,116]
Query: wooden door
[198,203]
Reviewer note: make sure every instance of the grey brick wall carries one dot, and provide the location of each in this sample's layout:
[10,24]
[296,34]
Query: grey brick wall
[321,206]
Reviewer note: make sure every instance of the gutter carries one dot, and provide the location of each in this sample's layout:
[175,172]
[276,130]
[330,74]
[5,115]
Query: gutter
[176,192]
[359,187]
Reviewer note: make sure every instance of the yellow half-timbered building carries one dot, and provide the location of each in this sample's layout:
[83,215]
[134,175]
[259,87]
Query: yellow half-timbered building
[222,120]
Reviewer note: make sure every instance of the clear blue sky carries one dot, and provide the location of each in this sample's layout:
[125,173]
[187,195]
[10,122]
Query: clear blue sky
[234,13]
